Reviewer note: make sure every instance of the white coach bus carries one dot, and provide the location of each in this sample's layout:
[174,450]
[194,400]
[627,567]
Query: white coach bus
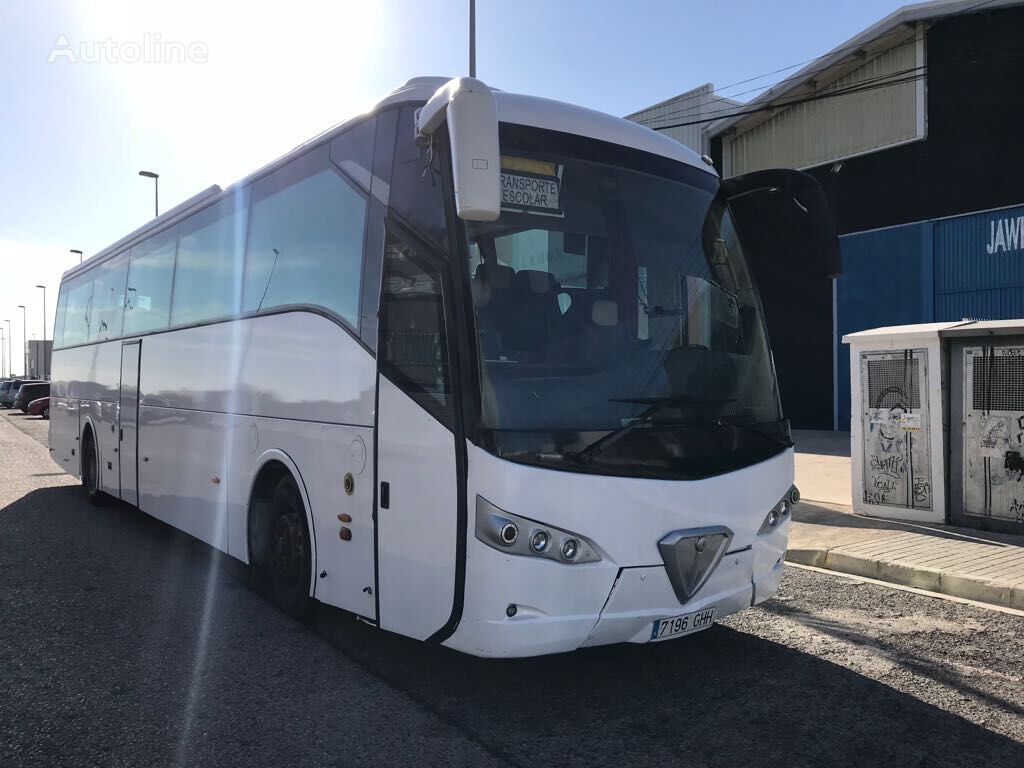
[482,369]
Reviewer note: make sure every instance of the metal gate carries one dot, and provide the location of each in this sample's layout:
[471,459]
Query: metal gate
[993,436]
[896,428]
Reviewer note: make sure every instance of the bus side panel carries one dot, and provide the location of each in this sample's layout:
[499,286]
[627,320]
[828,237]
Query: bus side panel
[85,382]
[182,470]
[64,433]
[321,455]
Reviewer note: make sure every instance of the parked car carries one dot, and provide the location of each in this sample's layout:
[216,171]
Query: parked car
[30,391]
[9,390]
[40,407]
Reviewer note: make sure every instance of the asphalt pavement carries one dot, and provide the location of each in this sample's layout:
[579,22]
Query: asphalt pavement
[124,642]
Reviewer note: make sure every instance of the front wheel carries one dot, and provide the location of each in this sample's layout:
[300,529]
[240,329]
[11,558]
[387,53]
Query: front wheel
[91,473]
[290,556]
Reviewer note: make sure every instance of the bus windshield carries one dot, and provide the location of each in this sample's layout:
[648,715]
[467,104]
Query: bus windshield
[612,296]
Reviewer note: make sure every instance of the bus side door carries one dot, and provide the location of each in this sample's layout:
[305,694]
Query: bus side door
[128,421]
[417,485]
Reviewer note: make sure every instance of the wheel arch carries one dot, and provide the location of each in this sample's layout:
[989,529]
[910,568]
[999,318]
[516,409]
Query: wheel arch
[271,465]
[87,427]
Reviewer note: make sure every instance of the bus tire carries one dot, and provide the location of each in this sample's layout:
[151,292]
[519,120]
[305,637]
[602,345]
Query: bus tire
[91,471]
[290,560]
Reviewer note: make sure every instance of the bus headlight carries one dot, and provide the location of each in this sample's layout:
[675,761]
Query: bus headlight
[500,529]
[777,514]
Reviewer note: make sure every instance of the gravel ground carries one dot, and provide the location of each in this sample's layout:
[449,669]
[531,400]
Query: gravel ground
[123,642]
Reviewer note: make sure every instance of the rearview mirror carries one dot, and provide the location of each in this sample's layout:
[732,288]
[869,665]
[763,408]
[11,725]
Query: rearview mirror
[468,106]
[784,220]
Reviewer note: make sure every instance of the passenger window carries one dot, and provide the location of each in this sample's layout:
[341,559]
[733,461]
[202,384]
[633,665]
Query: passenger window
[352,151]
[108,299]
[208,269]
[58,320]
[413,350]
[416,181]
[148,300]
[306,239]
[76,317]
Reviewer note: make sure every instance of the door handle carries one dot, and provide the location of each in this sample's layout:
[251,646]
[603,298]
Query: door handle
[385,495]
[120,436]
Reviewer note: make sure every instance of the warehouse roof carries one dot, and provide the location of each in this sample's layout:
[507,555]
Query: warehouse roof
[855,48]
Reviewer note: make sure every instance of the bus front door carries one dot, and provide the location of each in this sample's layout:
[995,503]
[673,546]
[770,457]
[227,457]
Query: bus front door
[417,486]
[128,421]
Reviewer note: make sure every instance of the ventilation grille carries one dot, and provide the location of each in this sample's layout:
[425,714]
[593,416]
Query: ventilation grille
[893,382]
[998,383]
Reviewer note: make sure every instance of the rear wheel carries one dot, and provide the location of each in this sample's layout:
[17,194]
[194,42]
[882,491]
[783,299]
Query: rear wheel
[290,557]
[91,472]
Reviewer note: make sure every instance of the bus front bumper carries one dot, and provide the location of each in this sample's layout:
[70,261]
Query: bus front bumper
[635,598]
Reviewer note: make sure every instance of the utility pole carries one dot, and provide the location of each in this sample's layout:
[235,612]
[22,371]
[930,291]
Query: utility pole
[472,38]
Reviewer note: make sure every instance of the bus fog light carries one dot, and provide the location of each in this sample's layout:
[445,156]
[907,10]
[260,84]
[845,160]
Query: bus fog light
[512,610]
[570,548]
[539,541]
[509,533]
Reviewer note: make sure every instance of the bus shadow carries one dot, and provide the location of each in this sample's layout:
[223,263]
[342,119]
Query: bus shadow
[721,697]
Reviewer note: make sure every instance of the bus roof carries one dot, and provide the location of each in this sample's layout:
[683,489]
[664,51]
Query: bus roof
[512,108]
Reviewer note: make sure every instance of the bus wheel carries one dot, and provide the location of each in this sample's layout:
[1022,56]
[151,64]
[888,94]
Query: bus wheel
[91,472]
[290,555]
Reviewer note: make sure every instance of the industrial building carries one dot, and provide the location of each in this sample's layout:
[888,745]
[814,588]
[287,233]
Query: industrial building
[913,128]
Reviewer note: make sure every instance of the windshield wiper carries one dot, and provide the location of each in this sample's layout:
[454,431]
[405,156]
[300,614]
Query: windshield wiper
[654,404]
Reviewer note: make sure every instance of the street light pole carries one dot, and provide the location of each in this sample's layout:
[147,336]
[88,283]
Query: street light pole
[43,351]
[10,350]
[75,250]
[3,355]
[472,38]
[24,338]
[156,190]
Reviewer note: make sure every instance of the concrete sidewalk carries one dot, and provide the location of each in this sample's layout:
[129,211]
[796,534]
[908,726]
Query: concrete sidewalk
[961,562]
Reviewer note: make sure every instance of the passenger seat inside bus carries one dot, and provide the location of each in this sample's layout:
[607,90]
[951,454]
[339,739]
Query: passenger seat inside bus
[492,296]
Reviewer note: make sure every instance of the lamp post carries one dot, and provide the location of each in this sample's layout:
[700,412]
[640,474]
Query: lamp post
[10,351]
[43,350]
[472,38]
[24,338]
[75,250]
[156,190]
[3,355]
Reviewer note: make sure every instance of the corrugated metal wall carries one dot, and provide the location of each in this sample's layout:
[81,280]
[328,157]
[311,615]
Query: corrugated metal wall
[932,271]
[696,105]
[817,132]
[970,281]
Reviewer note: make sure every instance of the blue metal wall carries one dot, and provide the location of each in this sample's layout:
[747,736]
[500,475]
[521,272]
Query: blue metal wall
[927,272]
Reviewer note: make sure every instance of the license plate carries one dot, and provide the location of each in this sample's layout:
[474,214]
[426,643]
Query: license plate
[686,624]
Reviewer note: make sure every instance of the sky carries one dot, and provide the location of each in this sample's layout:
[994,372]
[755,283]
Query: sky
[93,91]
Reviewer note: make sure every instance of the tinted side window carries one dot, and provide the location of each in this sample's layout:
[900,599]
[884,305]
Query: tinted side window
[108,298]
[208,271]
[77,314]
[148,301]
[58,320]
[353,152]
[412,350]
[416,181]
[306,239]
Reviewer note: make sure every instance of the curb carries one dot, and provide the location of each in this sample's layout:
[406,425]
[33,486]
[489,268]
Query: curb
[931,580]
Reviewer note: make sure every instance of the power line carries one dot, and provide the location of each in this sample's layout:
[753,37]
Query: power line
[798,76]
[882,81]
